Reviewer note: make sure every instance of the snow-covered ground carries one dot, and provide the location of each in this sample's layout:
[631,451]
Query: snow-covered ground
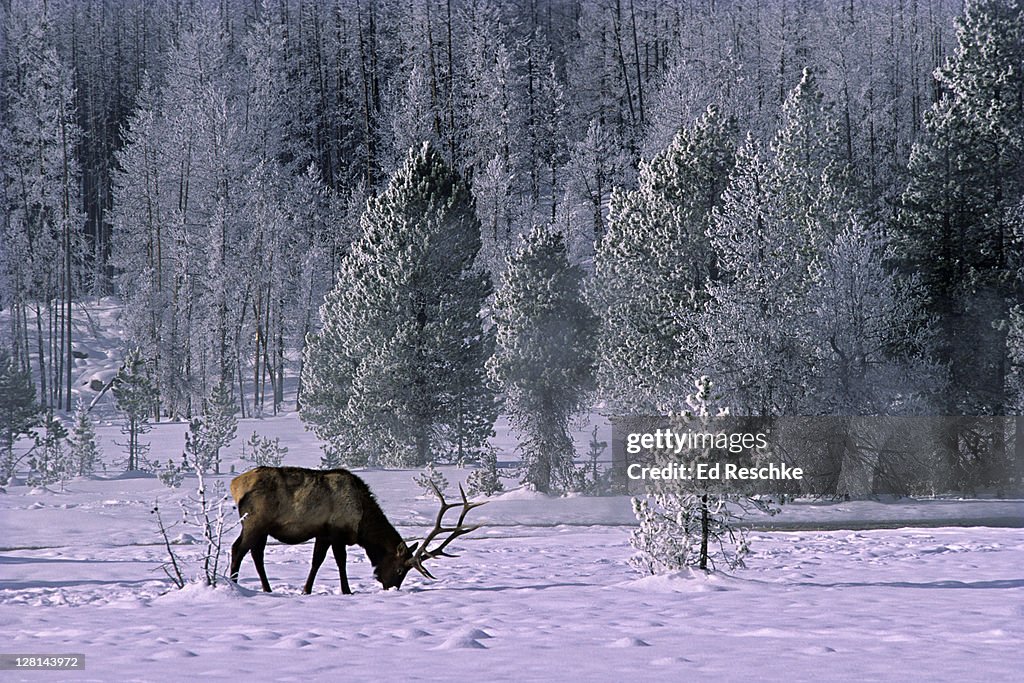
[544,592]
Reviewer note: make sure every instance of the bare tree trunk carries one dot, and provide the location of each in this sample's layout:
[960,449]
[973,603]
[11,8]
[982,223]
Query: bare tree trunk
[622,60]
[42,354]
[368,72]
[1018,470]
[307,323]
[257,313]
[51,345]
[451,90]
[705,531]
[636,60]
[279,385]
[66,208]
[25,345]
[57,334]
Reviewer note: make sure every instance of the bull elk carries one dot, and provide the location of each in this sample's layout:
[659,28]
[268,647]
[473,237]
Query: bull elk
[336,508]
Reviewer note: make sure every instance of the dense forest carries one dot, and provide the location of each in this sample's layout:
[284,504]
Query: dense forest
[523,206]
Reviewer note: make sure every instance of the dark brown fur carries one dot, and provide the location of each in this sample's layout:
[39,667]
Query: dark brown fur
[335,507]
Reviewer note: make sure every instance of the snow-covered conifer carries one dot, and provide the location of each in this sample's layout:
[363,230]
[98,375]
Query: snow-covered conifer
[264,452]
[85,452]
[136,399]
[19,412]
[777,213]
[544,359]
[654,264]
[691,522]
[51,460]
[397,370]
[198,454]
[430,479]
[219,422]
[486,479]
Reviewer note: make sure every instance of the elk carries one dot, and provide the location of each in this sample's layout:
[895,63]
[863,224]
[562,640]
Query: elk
[336,508]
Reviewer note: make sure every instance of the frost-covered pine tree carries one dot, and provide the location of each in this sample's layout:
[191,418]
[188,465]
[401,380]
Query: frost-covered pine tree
[959,227]
[197,455]
[219,422]
[264,451]
[778,211]
[397,370]
[51,460]
[486,479]
[756,322]
[653,267]
[544,359]
[85,452]
[19,412]
[692,522]
[808,176]
[431,478]
[135,397]
[872,344]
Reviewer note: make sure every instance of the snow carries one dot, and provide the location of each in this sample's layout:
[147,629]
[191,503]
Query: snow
[543,592]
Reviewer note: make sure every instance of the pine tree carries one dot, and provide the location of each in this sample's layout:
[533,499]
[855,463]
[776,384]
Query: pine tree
[136,399]
[543,360]
[871,343]
[219,422]
[431,478]
[19,412]
[809,175]
[689,522]
[967,177]
[486,479]
[51,461]
[777,214]
[398,367]
[264,451]
[653,267]
[198,454]
[85,452]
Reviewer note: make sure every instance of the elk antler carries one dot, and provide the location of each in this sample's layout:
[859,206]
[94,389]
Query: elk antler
[423,553]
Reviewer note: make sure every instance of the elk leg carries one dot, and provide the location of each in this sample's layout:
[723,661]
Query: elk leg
[339,556]
[319,553]
[257,559]
[238,551]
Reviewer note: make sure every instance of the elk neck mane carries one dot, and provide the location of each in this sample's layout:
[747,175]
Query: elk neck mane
[375,534]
